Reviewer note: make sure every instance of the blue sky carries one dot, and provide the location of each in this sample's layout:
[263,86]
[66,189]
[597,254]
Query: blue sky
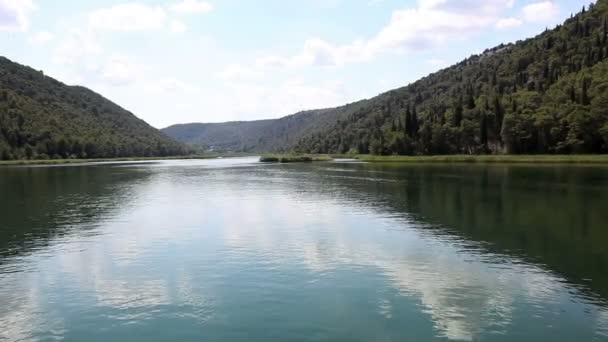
[178,61]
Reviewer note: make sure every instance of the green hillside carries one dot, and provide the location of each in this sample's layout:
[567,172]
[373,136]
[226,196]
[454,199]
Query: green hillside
[257,136]
[43,118]
[547,94]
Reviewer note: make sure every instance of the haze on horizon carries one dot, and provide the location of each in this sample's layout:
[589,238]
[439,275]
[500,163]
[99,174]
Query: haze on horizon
[179,61]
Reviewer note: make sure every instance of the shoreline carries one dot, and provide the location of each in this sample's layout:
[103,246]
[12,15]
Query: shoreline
[33,162]
[293,158]
[464,159]
[488,159]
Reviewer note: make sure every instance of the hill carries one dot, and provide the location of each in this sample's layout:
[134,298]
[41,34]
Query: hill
[547,94]
[44,118]
[257,136]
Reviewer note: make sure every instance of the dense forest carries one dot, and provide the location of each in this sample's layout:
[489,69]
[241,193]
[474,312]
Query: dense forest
[42,118]
[547,94]
[255,136]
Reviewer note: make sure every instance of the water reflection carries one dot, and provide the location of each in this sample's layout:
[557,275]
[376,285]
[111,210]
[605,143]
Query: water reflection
[239,251]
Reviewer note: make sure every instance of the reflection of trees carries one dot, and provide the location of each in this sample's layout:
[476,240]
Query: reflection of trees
[547,216]
[40,204]
[552,216]
[441,265]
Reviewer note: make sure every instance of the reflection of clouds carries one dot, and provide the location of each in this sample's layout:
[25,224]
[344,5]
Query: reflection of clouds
[602,325]
[459,289]
[385,308]
[22,313]
[157,251]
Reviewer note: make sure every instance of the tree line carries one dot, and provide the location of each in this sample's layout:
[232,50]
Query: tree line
[41,118]
[547,94]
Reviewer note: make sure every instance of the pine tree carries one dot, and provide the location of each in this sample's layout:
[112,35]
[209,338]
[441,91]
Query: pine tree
[585,96]
[458,111]
[484,132]
[499,113]
[605,31]
[414,124]
[470,98]
[572,93]
[408,122]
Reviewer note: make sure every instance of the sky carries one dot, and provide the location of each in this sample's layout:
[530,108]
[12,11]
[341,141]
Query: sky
[181,61]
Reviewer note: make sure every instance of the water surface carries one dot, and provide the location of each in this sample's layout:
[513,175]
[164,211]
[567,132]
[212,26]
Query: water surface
[235,250]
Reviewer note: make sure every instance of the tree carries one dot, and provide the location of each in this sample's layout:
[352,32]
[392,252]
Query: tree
[29,152]
[585,96]
[484,132]
[414,123]
[458,113]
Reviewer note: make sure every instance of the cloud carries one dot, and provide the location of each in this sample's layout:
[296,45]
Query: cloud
[128,17]
[437,62]
[14,15]
[540,11]
[172,85]
[191,7]
[41,37]
[287,97]
[237,72]
[247,98]
[121,70]
[76,47]
[432,23]
[177,26]
[489,7]
[507,23]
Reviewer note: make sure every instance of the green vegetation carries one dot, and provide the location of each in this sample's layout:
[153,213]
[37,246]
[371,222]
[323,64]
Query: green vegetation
[544,95]
[98,160]
[252,136]
[531,159]
[294,158]
[41,118]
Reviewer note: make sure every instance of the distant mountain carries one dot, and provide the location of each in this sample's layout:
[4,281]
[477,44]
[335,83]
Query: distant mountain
[547,94]
[44,118]
[257,136]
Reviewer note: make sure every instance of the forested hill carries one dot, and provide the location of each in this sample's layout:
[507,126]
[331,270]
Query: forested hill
[257,136]
[43,118]
[547,94]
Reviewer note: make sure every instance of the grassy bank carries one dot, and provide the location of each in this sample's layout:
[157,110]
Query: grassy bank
[294,158]
[101,160]
[531,159]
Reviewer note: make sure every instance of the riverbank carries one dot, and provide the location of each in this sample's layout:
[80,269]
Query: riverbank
[103,160]
[513,159]
[295,158]
[529,159]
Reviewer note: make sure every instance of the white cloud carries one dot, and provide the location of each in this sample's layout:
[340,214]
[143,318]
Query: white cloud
[237,72]
[287,97]
[260,100]
[136,16]
[128,17]
[191,7]
[432,23]
[76,47]
[177,26]
[171,85]
[489,7]
[14,15]
[437,62]
[121,70]
[507,23]
[41,37]
[540,11]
